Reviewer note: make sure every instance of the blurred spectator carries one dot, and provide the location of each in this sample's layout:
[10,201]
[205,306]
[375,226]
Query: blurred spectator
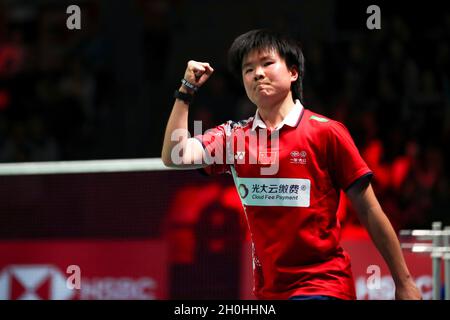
[43,147]
[416,194]
[157,37]
[79,85]
[16,147]
[205,234]
[12,55]
[60,90]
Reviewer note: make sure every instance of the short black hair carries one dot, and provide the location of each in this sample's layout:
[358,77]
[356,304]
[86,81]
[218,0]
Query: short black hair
[262,39]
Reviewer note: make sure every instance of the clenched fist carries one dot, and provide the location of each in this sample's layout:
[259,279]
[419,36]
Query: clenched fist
[197,73]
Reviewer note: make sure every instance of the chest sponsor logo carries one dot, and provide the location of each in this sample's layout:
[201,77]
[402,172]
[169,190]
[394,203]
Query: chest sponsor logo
[298,157]
[283,192]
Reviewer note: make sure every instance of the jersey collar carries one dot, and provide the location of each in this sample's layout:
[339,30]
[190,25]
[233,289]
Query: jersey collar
[291,119]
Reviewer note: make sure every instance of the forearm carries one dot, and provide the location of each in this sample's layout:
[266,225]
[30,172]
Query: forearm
[384,237]
[178,150]
[386,241]
[177,123]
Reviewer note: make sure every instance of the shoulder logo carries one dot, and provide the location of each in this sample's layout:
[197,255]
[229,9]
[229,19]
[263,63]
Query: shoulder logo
[320,119]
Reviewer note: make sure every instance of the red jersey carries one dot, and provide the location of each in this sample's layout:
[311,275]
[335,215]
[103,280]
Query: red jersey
[289,187]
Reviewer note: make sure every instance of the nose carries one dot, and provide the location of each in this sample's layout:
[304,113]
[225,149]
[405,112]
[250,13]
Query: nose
[259,74]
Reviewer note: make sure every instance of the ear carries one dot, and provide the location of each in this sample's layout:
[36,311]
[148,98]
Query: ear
[294,73]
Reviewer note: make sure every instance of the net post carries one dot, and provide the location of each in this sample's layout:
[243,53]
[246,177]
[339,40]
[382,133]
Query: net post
[436,261]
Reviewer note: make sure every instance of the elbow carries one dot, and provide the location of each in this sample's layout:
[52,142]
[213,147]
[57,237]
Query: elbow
[168,163]
[166,160]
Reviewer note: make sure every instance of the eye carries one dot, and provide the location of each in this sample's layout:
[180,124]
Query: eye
[248,70]
[268,63]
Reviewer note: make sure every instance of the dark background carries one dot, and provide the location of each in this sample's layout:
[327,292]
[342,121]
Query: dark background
[105,92]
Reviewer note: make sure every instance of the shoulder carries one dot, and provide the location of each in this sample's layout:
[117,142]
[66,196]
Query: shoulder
[317,123]
[226,129]
[231,125]
[324,129]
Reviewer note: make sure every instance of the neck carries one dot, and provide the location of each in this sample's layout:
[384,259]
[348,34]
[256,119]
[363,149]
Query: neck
[273,114]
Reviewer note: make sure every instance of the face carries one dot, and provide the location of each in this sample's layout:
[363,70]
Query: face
[266,77]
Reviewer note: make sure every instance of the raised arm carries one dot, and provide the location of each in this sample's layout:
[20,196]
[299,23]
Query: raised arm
[384,237]
[178,149]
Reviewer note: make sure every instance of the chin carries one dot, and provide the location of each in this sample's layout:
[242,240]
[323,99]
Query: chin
[264,99]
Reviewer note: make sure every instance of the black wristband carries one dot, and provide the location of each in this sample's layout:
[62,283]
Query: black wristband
[186,97]
[189,85]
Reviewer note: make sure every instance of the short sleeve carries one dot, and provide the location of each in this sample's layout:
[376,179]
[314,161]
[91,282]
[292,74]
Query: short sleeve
[345,162]
[214,144]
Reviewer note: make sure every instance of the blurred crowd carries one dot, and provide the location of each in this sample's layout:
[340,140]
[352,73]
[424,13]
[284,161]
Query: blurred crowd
[51,84]
[393,93]
[390,87]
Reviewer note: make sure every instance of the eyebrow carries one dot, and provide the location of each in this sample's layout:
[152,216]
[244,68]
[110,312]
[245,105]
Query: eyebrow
[265,57]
